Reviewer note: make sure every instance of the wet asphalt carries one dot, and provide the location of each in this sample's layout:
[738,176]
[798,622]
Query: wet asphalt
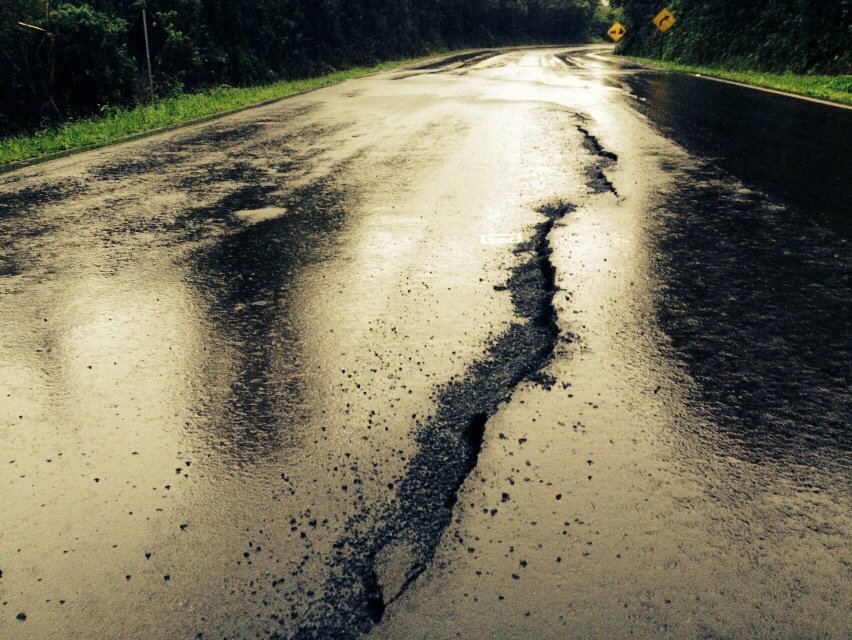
[517,344]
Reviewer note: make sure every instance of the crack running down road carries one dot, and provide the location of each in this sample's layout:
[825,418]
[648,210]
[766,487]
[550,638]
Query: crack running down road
[508,345]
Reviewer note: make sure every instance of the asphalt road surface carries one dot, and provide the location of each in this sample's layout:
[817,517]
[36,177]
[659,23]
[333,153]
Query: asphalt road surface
[524,344]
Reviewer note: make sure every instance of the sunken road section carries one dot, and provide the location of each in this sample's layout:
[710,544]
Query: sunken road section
[372,568]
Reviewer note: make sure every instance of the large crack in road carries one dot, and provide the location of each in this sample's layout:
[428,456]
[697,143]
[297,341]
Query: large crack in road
[376,567]
[373,568]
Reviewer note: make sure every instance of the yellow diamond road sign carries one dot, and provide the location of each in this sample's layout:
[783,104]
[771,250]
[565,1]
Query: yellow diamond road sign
[664,20]
[617,31]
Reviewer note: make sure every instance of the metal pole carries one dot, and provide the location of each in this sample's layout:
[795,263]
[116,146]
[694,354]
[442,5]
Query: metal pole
[148,53]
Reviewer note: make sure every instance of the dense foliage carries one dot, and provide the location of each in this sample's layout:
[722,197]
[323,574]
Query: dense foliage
[91,53]
[802,36]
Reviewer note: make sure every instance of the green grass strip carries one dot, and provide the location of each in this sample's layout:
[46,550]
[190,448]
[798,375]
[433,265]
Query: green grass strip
[833,88]
[119,123]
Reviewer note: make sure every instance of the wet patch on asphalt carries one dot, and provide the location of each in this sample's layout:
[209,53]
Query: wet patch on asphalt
[371,569]
[144,163]
[466,59]
[453,64]
[213,138]
[29,198]
[249,201]
[755,298]
[243,198]
[575,61]
[794,150]
[249,184]
[248,277]
[219,137]
[13,265]
[22,222]
[216,172]
[568,60]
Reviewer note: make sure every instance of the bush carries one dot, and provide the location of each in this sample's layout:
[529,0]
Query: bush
[92,66]
[801,36]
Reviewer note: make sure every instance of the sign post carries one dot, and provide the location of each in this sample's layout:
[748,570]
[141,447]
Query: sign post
[148,53]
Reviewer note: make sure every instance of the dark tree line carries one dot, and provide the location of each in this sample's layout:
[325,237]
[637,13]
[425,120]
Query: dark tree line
[803,36]
[91,53]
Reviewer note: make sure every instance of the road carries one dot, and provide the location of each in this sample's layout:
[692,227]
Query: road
[516,345]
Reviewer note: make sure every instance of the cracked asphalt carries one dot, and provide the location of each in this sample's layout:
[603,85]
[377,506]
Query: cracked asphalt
[522,343]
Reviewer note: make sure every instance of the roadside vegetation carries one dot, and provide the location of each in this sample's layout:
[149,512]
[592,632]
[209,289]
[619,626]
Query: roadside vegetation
[75,73]
[802,37]
[71,59]
[117,123]
[825,87]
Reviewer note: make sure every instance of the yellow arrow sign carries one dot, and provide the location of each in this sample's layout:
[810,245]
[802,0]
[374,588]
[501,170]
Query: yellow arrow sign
[664,20]
[617,31]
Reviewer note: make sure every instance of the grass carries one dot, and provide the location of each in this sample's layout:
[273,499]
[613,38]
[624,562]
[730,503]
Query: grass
[117,123]
[833,88]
